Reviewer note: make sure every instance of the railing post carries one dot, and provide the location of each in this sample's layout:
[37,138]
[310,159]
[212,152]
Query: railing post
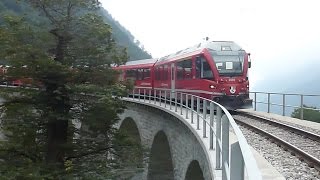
[187,106]
[198,111]
[170,99]
[154,96]
[225,146]
[236,162]
[192,105]
[181,103]
[165,98]
[160,92]
[139,96]
[204,114]
[255,101]
[149,95]
[211,124]
[268,102]
[176,101]
[144,95]
[283,104]
[218,138]
[301,107]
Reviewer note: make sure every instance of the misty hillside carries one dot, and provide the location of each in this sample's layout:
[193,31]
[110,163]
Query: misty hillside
[122,36]
[125,38]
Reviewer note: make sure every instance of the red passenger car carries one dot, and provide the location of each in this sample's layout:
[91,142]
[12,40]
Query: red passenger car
[141,72]
[216,70]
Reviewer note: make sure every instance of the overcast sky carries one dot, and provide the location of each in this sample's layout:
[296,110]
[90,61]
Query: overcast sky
[281,35]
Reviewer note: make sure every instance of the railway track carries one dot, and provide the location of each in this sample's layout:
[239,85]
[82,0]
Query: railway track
[301,143]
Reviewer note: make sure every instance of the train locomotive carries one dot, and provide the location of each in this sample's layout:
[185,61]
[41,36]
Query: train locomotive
[216,70]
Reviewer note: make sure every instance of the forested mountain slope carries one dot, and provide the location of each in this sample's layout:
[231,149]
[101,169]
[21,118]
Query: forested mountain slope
[122,36]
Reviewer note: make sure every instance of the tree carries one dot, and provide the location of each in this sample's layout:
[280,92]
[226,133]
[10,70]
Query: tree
[69,63]
[309,113]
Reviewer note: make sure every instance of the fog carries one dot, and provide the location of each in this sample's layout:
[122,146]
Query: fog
[282,36]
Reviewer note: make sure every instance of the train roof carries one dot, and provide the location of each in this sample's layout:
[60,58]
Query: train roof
[217,46]
[138,63]
[210,45]
[142,61]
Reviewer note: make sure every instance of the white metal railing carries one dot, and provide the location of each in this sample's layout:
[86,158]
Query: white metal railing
[282,100]
[235,164]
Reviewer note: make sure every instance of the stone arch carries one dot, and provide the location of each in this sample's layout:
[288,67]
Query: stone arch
[133,155]
[129,127]
[160,165]
[194,171]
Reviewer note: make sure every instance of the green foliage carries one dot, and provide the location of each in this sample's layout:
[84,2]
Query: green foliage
[63,126]
[120,35]
[309,113]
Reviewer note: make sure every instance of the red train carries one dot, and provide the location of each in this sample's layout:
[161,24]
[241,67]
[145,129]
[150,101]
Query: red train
[10,81]
[216,70]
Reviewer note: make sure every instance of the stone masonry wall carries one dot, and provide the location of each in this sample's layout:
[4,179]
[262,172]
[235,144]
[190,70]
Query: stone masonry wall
[184,146]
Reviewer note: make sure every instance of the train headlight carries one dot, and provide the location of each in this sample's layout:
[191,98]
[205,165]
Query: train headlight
[247,85]
[232,89]
[212,87]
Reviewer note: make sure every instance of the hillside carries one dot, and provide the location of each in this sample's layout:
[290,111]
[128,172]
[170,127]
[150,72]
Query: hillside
[125,38]
[122,36]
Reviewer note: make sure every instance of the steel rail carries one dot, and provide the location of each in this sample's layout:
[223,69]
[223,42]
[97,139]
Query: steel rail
[305,133]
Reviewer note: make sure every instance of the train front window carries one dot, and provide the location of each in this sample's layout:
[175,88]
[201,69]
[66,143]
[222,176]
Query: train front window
[229,65]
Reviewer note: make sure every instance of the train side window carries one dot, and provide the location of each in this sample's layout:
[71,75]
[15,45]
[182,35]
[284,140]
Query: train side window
[146,74]
[121,75]
[157,73]
[198,67]
[140,74]
[161,73]
[184,69]
[203,70]
[131,74]
[179,70]
[165,72]
[187,67]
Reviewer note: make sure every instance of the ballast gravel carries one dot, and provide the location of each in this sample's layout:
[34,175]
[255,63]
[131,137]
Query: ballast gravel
[287,164]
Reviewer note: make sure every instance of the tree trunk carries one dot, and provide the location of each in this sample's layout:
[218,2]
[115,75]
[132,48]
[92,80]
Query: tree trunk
[57,137]
[59,103]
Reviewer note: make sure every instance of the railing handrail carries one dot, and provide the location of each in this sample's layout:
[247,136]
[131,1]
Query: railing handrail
[246,152]
[288,105]
[224,121]
[284,96]
[289,94]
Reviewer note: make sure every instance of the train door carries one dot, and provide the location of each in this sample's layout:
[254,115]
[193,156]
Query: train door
[173,80]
